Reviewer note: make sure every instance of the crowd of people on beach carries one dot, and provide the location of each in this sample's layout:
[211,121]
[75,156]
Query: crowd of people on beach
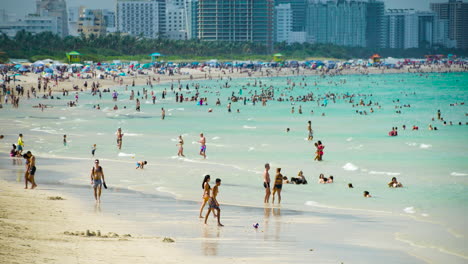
[193,93]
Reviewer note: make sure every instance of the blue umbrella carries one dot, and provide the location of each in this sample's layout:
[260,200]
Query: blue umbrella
[49,70]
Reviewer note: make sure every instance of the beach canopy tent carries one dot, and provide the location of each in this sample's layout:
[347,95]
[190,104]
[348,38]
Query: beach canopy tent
[74,57]
[278,57]
[375,58]
[155,56]
[38,63]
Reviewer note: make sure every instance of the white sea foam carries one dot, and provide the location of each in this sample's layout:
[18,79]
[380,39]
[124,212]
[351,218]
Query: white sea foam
[133,135]
[165,190]
[121,154]
[349,139]
[411,144]
[425,146]
[249,127]
[45,130]
[251,149]
[215,138]
[180,109]
[100,134]
[62,117]
[409,210]
[384,173]
[350,167]
[315,204]
[458,174]
[425,215]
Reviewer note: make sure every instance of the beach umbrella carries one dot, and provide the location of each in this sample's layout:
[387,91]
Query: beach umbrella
[48,70]
[16,74]
[23,69]
[122,74]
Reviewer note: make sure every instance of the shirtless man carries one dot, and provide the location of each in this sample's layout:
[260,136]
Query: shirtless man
[213,203]
[97,178]
[30,170]
[163,113]
[202,146]
[119,138]
[266,183]
[278,185]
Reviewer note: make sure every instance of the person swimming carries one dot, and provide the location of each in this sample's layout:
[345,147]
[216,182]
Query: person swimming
[394,183]
[367,194]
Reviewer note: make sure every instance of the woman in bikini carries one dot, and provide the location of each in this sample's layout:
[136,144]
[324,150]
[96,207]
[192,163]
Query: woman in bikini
[181,147]
[206,193]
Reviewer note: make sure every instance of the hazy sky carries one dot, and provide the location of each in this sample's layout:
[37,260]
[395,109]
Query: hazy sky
[23,7]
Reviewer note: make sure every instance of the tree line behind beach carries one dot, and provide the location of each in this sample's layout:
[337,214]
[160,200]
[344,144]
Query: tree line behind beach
[124,47]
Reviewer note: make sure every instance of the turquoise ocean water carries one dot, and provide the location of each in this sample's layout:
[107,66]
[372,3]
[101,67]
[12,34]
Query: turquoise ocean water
[432,165]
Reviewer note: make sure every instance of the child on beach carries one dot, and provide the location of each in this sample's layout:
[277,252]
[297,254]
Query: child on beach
[93,149]
[141,164]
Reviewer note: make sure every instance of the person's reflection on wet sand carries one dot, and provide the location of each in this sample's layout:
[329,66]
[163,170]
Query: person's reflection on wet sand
[210,241]
[277,215]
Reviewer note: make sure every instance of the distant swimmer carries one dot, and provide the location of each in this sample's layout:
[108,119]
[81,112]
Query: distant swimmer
[300,179]
[202,146]
[394,183]
[278,185]
[163,113]
[367,194]
[97,179]
[181,147]
[141,164]
[206,192]
[266,183]
[64,140]
[213,204]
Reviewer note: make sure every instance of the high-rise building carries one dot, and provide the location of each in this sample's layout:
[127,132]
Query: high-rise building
[283,22]
[109,20]
[142,17]
[91,22]
[338,22]
[375,24]
[32,23]
[57,9]
[176,19]
[298,8]
[236,20]
[73,18]
[456,13]
[191,9]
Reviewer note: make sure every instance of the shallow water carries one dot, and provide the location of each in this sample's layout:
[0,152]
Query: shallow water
[432,165]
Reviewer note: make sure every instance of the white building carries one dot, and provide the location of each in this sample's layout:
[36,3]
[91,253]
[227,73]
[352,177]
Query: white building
[73,17]
[283,22]
[176,19]
[142,17]
[411,30]
[57,9]
[32,23]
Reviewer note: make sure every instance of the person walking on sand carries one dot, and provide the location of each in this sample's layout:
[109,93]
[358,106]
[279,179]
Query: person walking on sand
[278,185]
[206,192]
[213,204]
[181,147]
[97,179]
[119,138]
[202,145]
[30,170]
[266,183]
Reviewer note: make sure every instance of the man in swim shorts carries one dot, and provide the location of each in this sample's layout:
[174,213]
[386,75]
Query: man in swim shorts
[266,183]
[278,185]
[213,204]
[202,146]
[97,178]
[30,170]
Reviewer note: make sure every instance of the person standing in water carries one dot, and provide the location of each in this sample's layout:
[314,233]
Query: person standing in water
[203,145]
[206,193]
[30,170]
[93,150]
[320,148]
[119,138]
[138,105]
[310,137]
[266,183]
[278,185]
[20,144]
[213,203]
[181,147]
[163,113]
[97,178]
